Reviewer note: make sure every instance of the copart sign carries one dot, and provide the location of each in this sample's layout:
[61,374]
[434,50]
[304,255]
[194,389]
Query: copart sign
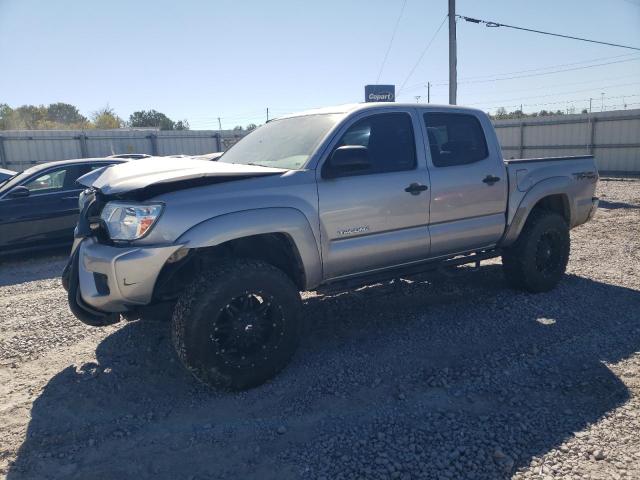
[380,93]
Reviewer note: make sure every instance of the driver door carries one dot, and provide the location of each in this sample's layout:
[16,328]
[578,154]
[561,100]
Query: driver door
[368,219]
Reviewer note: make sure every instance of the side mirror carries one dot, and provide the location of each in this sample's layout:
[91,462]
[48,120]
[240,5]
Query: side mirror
[19,192]
[347,160]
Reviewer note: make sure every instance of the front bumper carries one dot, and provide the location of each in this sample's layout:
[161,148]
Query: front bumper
[118,279]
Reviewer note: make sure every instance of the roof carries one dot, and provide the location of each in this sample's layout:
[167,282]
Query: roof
[352,107]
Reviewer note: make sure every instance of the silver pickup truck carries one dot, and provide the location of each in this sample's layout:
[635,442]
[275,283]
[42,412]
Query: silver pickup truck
[334,197]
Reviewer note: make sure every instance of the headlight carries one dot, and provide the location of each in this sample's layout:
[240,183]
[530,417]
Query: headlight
[130,221]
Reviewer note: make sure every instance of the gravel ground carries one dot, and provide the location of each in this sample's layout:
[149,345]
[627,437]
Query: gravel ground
[441,377]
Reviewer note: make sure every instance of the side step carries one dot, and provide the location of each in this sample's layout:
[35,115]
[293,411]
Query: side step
[407,271]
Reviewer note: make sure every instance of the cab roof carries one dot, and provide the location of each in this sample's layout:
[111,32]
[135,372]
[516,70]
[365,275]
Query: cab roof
[353,107]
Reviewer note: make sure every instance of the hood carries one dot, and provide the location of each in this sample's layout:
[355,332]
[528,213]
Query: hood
[162,174]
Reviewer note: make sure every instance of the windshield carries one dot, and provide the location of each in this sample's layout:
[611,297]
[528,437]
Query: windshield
[4,180]
[286,143]
[11,182]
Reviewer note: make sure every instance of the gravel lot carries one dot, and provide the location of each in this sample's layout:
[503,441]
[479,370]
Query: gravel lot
[443,377]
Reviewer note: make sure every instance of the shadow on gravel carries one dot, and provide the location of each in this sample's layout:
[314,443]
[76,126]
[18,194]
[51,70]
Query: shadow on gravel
[32,266]
[450,378]
[616,205]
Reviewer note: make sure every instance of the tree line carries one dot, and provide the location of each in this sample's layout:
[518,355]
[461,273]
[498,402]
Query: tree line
[64,116]
[502,114]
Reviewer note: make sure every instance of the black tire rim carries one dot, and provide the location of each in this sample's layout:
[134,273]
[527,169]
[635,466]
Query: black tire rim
[248,330]
[548,253]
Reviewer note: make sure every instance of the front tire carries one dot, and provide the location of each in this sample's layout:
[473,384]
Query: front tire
[237,326]
[538,259]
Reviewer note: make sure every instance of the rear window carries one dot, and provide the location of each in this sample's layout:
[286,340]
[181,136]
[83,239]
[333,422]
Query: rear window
[455,139]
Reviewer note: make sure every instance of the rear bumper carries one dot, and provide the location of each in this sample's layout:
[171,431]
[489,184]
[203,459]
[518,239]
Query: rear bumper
[117,279]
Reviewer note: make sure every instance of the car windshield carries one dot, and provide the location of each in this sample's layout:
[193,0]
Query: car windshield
[11,182]
[287,143]
[7,178]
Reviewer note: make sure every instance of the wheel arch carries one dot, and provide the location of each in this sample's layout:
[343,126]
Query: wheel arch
[280,236]
[550,194]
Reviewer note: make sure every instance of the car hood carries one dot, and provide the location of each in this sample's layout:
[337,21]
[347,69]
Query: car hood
[161,174]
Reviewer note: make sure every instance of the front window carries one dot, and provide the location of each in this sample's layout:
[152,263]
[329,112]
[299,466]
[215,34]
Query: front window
[389,140]
[48,182]
[287,143]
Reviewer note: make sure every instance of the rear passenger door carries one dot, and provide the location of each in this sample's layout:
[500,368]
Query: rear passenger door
[374,219]
[468,184]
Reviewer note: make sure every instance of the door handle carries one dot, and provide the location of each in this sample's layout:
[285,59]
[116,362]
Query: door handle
[490,179]
[416,188]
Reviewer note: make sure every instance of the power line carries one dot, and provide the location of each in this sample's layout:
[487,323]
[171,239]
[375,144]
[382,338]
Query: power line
[545,87]
[393,36]
[498,79]
[551,72]
[489,23]
[549,67]
[540,87]
[444,19]
[557,94]
[575,100]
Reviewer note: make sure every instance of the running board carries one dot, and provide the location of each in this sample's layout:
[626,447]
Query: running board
[406,271]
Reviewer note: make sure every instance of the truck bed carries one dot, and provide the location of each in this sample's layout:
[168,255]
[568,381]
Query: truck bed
[547,159]
[570,179]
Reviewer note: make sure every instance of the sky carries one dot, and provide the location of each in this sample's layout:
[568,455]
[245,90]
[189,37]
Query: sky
[200,60]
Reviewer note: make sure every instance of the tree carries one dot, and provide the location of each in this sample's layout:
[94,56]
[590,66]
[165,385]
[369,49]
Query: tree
[106,118]
[6,116]
[30,117]
[65,114]
[501,113]
[251,126]
[151,118]
[238,128]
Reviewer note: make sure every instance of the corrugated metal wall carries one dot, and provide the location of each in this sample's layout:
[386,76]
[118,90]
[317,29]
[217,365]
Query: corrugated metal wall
[613,137]
[20,149]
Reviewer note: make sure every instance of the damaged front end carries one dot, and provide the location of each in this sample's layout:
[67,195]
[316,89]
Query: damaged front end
[109,273]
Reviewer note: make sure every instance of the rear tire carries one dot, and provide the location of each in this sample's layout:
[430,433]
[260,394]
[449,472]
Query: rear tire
[538,259]
[238,325]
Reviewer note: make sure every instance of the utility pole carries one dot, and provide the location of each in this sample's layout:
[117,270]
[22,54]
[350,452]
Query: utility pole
[590,100]
[417,97]
[602,102]
[267,114]
[453,56]
[219,124]
[428,92]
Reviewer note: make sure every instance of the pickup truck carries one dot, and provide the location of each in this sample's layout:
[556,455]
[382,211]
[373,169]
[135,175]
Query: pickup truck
[324,199]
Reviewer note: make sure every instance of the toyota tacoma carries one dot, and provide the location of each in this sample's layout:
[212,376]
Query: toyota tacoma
[329,198]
